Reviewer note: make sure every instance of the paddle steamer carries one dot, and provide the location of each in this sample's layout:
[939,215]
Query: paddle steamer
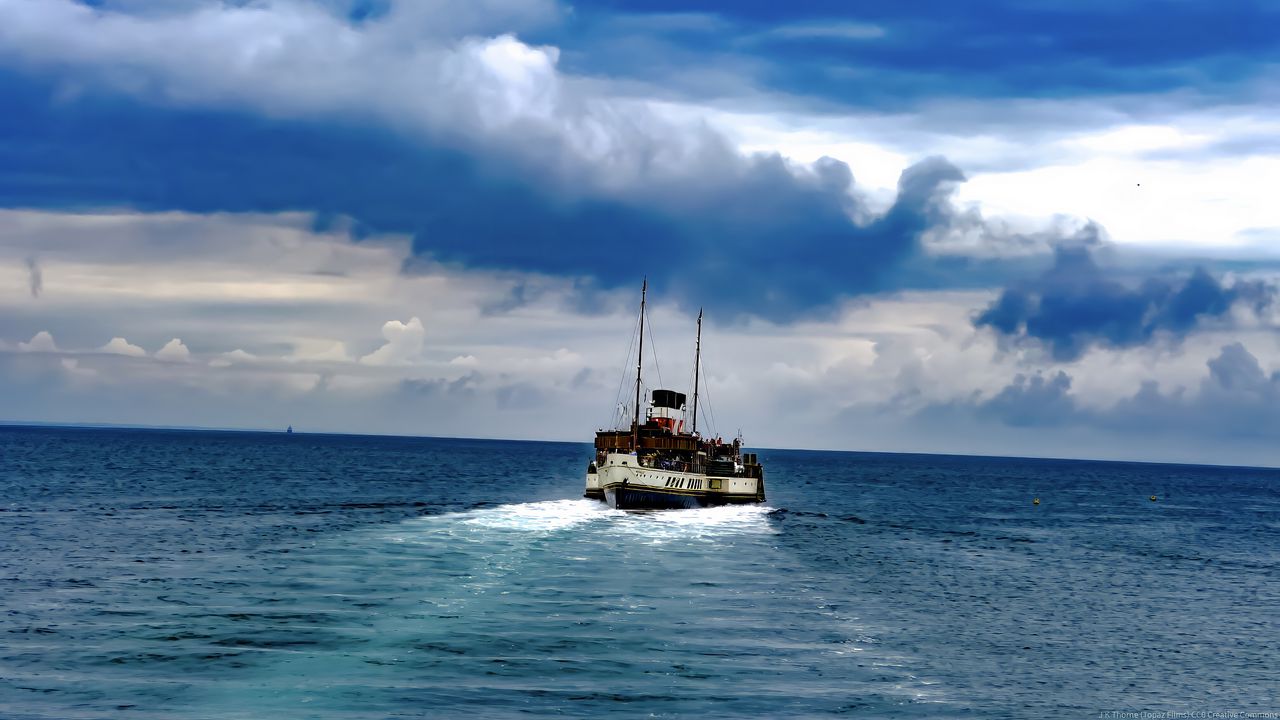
[657,463]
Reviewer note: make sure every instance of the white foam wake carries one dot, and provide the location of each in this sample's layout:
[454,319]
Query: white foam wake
[551,516]
[665,525]
[544,516]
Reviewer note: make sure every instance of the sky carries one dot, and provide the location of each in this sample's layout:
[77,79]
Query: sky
[1035,228]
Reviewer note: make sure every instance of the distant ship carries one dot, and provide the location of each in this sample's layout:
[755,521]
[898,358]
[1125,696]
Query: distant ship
[656,464]
[289,430]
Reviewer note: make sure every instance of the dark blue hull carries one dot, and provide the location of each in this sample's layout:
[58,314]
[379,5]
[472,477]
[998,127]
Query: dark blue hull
[630,498]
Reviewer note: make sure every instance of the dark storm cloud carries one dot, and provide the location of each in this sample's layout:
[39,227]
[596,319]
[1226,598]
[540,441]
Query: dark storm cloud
[1028,401]
[1031,401]
[741,234]
[418,390]
[1238,398]
[1077,304]
[796,238]
[675,202]
[1235,399]
[896,54]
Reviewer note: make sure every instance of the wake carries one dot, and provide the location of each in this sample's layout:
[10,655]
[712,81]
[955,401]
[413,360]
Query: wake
[594,518]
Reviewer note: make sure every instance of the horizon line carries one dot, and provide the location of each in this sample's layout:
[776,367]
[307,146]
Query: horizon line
[35,424]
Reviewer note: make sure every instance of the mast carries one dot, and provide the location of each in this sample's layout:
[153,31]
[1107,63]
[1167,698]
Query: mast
[635,424]
[697,361]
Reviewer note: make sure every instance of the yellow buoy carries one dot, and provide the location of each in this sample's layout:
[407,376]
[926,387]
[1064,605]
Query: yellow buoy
[1037,501]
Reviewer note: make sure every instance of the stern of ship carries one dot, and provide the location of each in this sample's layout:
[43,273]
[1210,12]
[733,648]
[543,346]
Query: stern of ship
[593,490]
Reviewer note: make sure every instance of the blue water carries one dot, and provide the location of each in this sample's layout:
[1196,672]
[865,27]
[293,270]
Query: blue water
[156,574]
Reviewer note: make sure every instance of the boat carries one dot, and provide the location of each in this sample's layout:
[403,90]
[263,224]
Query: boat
[658,464]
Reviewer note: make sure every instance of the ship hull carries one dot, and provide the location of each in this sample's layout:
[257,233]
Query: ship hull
[625,486]
[629,498]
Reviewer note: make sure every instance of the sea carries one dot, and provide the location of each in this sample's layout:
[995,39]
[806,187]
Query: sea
[219,575]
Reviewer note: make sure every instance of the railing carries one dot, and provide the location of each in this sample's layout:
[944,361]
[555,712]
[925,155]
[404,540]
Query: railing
[622,442]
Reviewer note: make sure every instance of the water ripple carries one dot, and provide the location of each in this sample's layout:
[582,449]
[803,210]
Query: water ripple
[216,575]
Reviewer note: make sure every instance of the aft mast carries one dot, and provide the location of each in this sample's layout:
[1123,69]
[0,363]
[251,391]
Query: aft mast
[697,361]
[635,423]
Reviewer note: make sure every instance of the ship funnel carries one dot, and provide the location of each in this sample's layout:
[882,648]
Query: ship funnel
[666,408]
[668,399]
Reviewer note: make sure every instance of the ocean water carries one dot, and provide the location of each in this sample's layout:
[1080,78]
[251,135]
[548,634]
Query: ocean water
[157,574]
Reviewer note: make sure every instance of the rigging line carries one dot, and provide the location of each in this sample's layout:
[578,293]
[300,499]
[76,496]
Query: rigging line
[704,402]
[711,420]
[625,375]
[653,350]
[711,416]
[618,410]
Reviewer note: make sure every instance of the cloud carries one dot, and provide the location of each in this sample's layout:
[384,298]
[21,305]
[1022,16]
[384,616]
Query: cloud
[935,49]
[1032,401]
[1236,399]
[228,359]
[404,343]
[1010,49]
[120,346]
[513,164]
[728,215]
[413,68]
[514,175]
[261,284]
[1077,304]
[35,277]
[828,30]
[72,366]
[1237,370]
[173,351]
[803,231]
[521,396]
[321,351]
[40,342]
[301,382]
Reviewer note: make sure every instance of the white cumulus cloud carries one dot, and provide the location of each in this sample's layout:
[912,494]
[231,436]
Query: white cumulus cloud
[40,342]
[228,359]
[120,346]
[291,59]
[174,351]
[404,343]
